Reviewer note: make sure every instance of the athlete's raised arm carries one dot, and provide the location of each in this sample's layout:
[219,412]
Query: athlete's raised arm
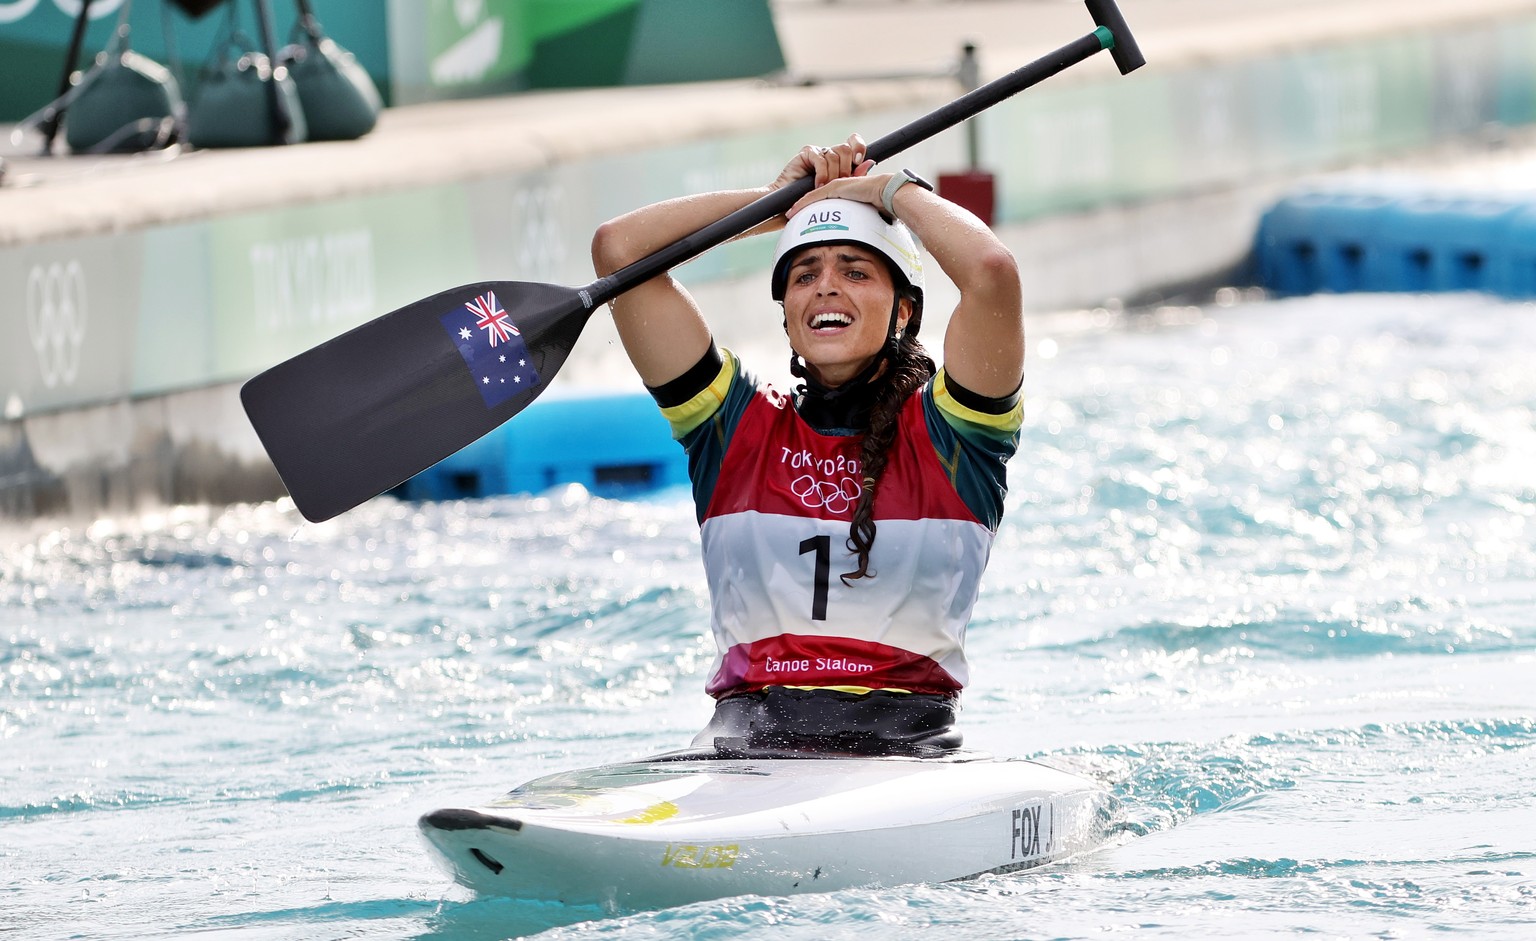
[984,346]
[661,327]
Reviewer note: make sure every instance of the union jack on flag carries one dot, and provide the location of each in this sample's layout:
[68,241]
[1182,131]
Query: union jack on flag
[491,318]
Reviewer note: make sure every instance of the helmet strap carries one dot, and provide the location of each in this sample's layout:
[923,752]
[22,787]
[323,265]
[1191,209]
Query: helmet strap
[799,369]
[893,332]
[843,410]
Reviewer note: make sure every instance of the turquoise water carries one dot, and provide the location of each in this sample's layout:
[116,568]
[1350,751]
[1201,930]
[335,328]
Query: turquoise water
[1269,569]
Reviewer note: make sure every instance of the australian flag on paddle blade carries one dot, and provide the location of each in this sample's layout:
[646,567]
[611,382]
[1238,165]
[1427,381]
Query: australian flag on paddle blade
[492,347]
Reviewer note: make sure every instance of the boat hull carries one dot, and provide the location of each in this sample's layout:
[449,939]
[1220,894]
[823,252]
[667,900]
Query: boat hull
[682,828]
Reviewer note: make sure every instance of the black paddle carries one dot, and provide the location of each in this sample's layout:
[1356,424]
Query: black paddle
[369,409]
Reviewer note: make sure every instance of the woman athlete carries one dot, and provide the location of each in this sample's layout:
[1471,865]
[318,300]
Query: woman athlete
[845,526]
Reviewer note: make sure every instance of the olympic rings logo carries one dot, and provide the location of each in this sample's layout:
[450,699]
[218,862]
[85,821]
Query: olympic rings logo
[15,10]
[815,494]
[541,243]
[56,312]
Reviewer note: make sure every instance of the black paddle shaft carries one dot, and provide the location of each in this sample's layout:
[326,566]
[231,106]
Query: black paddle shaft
[1112,35]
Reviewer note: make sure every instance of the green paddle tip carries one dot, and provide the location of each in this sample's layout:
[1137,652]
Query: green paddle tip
[1106,38]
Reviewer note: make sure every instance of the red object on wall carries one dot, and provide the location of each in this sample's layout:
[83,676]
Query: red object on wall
[976,190]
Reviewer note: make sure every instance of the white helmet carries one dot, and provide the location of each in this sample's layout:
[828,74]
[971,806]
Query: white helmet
[849,222]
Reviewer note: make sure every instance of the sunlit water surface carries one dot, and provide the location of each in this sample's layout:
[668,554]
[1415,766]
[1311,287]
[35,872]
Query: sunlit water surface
[1268,569]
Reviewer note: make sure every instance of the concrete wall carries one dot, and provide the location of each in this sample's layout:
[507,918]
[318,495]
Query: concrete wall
[1110,187]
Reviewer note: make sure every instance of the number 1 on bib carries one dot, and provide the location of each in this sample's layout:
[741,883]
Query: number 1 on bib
[822,546]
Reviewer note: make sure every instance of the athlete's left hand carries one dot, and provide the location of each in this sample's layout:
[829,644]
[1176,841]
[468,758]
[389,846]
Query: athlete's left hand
[826,163]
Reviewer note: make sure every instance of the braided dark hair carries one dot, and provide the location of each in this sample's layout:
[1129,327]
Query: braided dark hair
[909,367]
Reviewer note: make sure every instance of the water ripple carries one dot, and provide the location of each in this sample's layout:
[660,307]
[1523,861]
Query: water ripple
[1268,572]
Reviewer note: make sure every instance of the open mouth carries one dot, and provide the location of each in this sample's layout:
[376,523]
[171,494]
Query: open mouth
[830,321]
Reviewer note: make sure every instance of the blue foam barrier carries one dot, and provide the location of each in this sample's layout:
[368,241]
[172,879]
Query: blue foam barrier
[1317,241]
[1448,244]
[1517,277]
[1397,241]
[614,444]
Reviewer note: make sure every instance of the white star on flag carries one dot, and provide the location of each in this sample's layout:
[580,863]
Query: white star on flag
[463,333]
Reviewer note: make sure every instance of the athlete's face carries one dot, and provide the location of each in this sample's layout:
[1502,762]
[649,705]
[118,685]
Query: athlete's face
[837,309]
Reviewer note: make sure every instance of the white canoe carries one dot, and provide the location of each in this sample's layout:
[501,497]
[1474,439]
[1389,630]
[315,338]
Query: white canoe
[688,826]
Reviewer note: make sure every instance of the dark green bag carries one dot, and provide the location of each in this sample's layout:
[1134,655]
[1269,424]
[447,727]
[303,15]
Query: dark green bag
[234,105]
[340,100]
[126,103]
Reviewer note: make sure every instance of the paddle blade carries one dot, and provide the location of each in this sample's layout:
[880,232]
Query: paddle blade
[364,412]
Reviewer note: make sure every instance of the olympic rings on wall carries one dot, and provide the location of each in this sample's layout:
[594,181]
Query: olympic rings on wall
[56,319]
